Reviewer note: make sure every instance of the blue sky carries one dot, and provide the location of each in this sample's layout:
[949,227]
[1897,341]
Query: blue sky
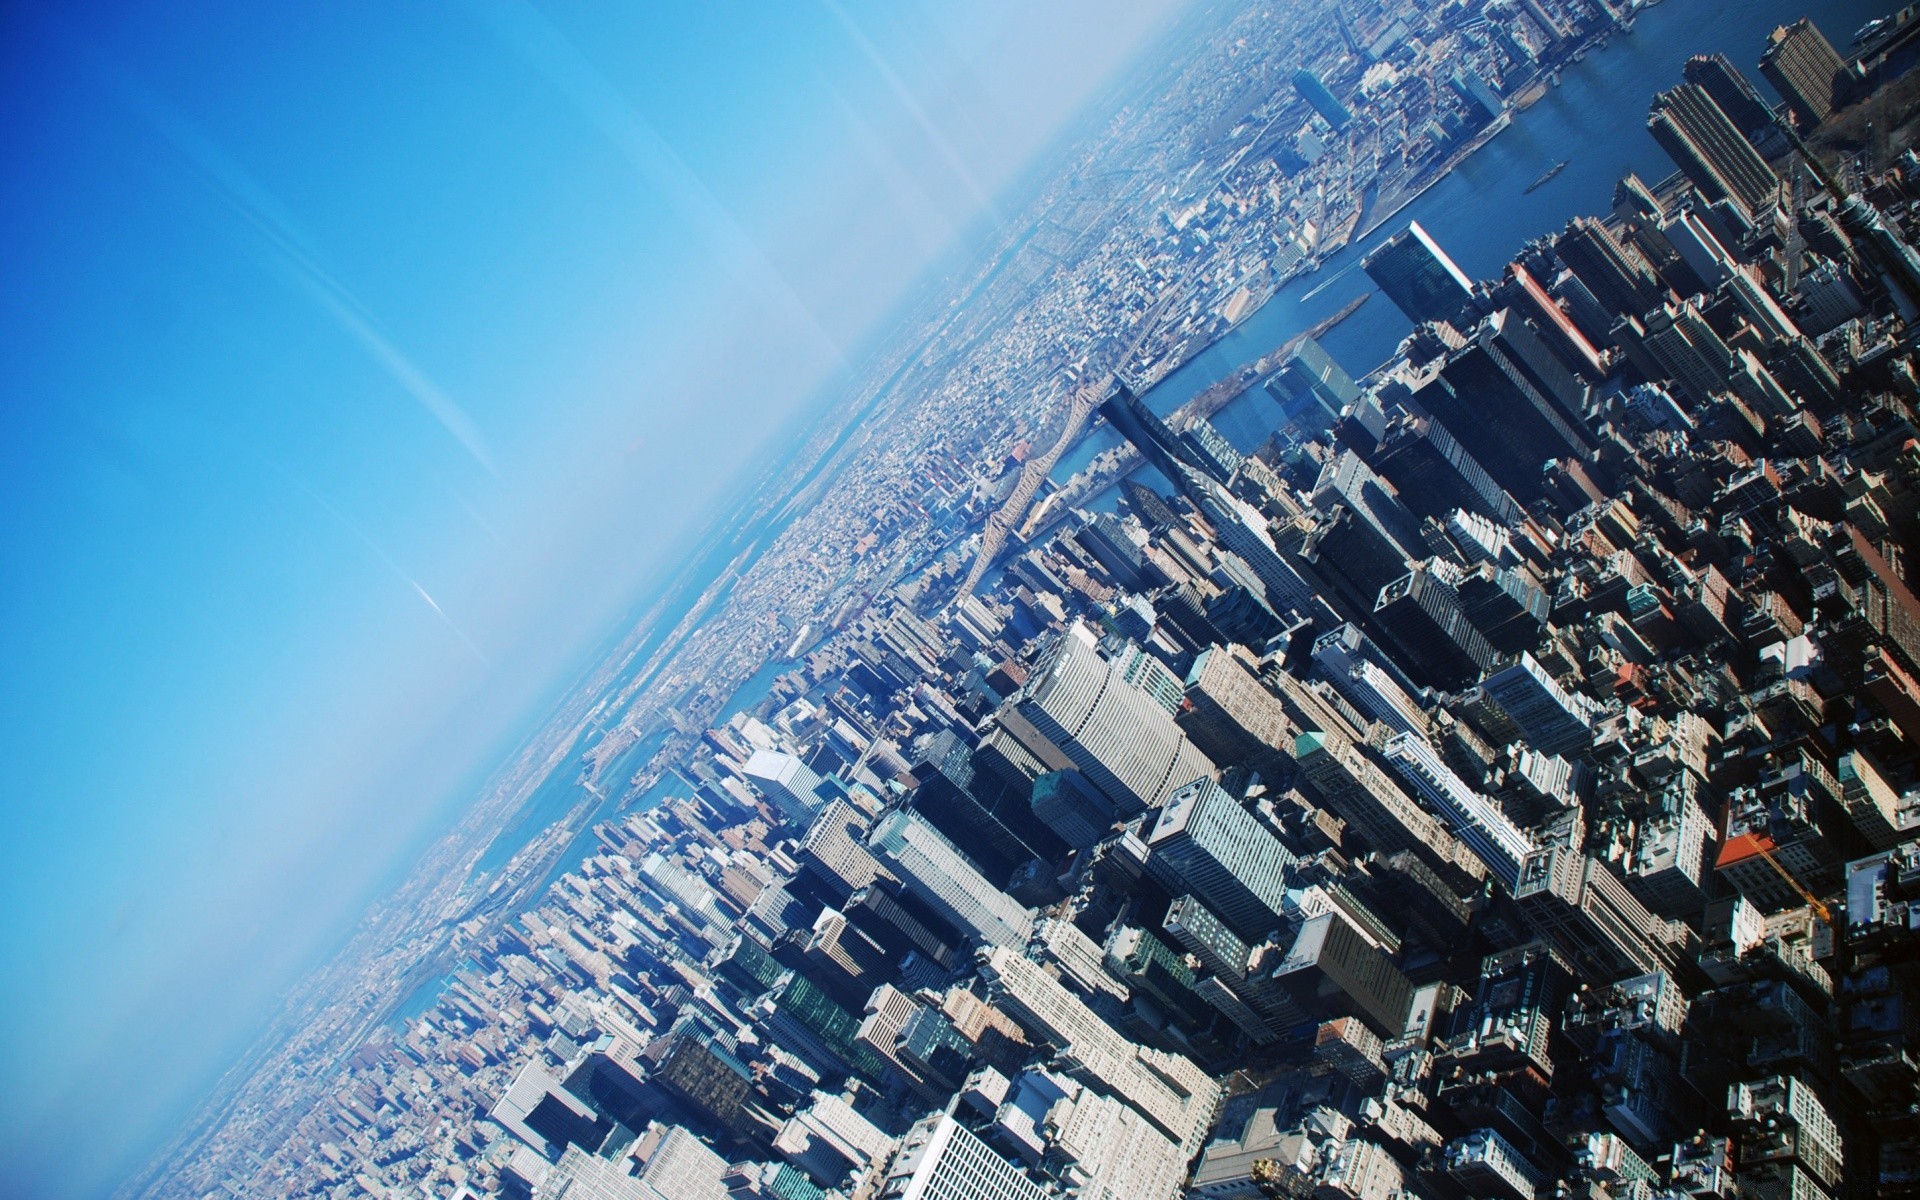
[361,364]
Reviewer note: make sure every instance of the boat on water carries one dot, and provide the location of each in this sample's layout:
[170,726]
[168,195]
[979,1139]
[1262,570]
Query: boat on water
[1546,177]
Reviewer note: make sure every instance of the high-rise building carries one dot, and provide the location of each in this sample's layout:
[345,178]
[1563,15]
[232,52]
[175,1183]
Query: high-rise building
[1233,717]
[1435,474]
[1487,1167]
[1476,820]
[833,852]
[1123,743]
[1783,1124]
[785,782]
[541,1112]
[1239,526]
[991,822]
[1676,343]
[1311,388]
[1333,971]
[1206,842]
[673,1162]
[1207,938]
[1419,277]
[1079,813]
[1619,277]
[1505,399]
[940,1159]
[1720,79]
[1704,143]
[1806,70]
[1551,718]
[1170,1090]
[1420,615]
[1594,921]
[1356,668]
[1316,94]
[934,872]
[1372,803]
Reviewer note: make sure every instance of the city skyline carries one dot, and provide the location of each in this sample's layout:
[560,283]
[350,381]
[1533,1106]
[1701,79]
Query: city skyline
[863,553]
[338,340]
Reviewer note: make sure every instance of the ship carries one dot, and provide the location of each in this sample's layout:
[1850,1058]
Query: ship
[1546,177]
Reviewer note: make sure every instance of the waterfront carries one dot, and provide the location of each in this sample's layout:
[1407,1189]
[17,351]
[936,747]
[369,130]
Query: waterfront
[1482,212]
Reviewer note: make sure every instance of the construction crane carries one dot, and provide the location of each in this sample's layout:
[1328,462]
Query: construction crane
[1813,902]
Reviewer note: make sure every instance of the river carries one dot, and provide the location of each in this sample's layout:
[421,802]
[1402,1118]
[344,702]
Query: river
[1481,213]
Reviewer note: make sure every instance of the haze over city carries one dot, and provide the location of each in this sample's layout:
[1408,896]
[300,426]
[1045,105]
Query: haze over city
[874,601]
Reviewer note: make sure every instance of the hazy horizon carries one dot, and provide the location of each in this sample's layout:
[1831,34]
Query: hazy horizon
[369,366]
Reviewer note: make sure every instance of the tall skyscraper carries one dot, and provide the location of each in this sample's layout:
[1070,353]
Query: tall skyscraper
[1310,387]
[933,871]
[1675,342]
[1594,921]
[833,852]
[1435,474]
[1476,820]
[940,1159]
[785,782]
[1240,527]
[1420,615]
[1232,716]
[1316,94]
[1806,70]
[1206,842]
[1419,277]
[1333,971]
[1730,90]
[1704,143]
[1370,801]
[991,822]
[1170,1090]
[1506,399]
[1123,743]
[1551,718]
[1619,277]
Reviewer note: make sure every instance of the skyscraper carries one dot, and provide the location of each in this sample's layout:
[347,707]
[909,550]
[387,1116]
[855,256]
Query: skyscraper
[1704,143]
[1332,971]
[1124,743]
[1310,387]
[1736,97]
[1594,921]
[1240,527]
[940,1159]
[1506,400]
[1806,70]
[1675,342]
[1420,614]
[1619,277]
[1435,474]
[1316,94]
[1373,804]
[1476,820]
[1419,277]
[1549,717]
[785,782]
[933,871]
[1232,717]
[1206,842]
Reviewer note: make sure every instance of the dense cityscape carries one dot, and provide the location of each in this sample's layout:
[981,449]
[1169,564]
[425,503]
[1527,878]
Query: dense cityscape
[1502,783]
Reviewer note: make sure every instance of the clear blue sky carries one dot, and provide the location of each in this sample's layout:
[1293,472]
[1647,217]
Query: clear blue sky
[359,363]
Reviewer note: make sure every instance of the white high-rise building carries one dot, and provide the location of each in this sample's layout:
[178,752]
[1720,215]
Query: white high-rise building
[787,783]
[1125,744]
[940,1159]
